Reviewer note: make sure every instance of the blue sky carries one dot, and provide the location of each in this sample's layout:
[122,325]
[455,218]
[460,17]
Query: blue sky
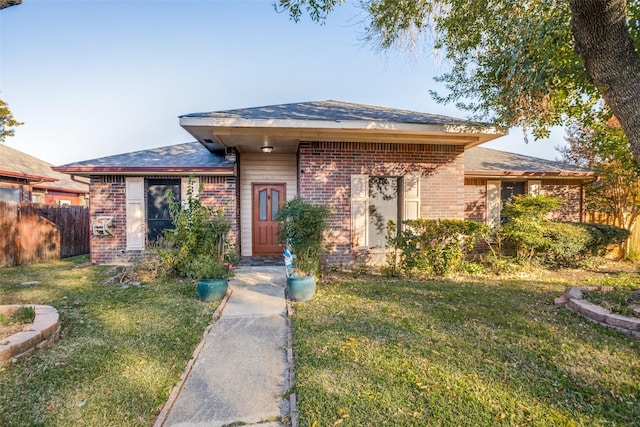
[93,78]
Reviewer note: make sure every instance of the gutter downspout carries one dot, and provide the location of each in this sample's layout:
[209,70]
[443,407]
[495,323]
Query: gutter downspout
[73,178]
[31,184]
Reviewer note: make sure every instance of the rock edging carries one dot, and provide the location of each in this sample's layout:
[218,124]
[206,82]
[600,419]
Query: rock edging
[43,332]
[573,300]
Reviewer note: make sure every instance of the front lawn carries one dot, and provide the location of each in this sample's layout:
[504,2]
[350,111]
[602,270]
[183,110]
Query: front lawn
[458,353]
[121,350]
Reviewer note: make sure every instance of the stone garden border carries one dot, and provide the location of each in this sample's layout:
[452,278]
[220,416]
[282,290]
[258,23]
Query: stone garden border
[43,332]
[573,300]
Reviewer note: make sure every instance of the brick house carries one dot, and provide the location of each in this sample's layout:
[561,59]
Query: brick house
[24,178]
[369,164]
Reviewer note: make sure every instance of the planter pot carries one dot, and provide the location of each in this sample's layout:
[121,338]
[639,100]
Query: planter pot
[212,289]
[301,288]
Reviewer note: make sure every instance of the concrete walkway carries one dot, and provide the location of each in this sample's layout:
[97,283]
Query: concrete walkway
[240,375]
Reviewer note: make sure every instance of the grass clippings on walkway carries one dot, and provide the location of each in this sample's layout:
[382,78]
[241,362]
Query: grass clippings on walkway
[121,350]
[373,352]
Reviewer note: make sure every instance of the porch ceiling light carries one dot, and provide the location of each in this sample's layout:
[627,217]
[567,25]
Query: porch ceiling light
[266,149]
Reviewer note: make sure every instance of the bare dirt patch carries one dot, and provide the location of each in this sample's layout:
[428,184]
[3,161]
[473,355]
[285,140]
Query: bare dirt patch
[8,330]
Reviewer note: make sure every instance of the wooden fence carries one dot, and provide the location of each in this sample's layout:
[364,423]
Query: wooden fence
[634,238]
[32,233]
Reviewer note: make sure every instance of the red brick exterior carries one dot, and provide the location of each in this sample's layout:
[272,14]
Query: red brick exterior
[573,207]
[475,199]
[108,198]
[571,191]
[325,170]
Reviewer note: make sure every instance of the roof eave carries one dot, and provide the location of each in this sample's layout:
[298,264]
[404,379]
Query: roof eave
[548,174]
[26,176]
[206,129]
[108,170]
[61,189]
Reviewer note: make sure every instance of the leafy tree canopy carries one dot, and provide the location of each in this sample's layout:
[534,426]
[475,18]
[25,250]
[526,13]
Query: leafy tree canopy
[530,63]
[7,122]
[599,143]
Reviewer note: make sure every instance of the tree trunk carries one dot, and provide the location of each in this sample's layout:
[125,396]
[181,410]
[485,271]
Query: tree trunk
[602,40]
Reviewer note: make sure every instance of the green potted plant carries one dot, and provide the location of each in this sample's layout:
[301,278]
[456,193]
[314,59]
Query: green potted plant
[200,240]
[302,227]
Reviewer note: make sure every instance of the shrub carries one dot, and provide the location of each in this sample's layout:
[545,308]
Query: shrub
[158,262]
[434,245]
[603,236]
[526,224]
[201,249]
[302,227]
[553,243]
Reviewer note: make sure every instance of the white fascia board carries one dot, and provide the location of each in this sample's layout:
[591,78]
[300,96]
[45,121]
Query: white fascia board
[209,122]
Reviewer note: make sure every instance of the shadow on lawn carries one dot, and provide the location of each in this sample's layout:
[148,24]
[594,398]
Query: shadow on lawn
[121,349]
[478,349]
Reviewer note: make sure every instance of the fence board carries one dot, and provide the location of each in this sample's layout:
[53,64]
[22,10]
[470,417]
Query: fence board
[33,233]
[634,238]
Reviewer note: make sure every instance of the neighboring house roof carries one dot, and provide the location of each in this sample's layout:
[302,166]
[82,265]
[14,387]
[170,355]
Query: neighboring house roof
[16,164]
[173,159]
[288,124]
[486,162]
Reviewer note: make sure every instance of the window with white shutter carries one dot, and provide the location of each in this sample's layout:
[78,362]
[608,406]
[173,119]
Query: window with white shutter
[135,213]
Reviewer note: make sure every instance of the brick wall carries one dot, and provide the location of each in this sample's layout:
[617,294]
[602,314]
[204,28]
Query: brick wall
[221,192]
[475,199]
[475,193]
[571,193]
[325,170]
[108,198]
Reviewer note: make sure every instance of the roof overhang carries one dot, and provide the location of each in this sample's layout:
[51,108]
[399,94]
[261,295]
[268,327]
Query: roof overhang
[524,174]
[248,135]
[27,177]
[146,171]
[61,189]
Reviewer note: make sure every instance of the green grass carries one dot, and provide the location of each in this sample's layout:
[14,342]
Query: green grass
[443,353]
[120,353]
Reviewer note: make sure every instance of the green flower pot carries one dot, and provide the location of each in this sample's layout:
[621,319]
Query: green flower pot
[301,288]
[212,289]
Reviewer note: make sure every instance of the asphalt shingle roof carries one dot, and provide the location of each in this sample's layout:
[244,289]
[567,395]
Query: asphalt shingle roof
[186,155]
[482,159]
[334,111]
[13,160]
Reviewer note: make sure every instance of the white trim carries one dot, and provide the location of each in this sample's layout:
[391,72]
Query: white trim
[184,190]
[411,187]
[534,187]
[135,213]
[359,211]
[493,203]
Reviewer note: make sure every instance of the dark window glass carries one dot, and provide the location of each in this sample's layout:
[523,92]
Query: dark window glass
[158,217]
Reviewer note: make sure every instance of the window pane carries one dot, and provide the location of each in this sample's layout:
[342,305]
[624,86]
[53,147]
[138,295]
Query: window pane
[263,205]
[508,189]
[158,216]
[275,199]
[10,194]
[383,207]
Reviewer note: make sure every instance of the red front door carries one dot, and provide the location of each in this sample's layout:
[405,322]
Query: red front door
[267,199]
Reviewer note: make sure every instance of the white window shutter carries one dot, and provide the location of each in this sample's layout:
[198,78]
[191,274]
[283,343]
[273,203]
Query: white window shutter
[411,186]
[184,188]
[534,187]
[493,203]
[359,208]
[135,213]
